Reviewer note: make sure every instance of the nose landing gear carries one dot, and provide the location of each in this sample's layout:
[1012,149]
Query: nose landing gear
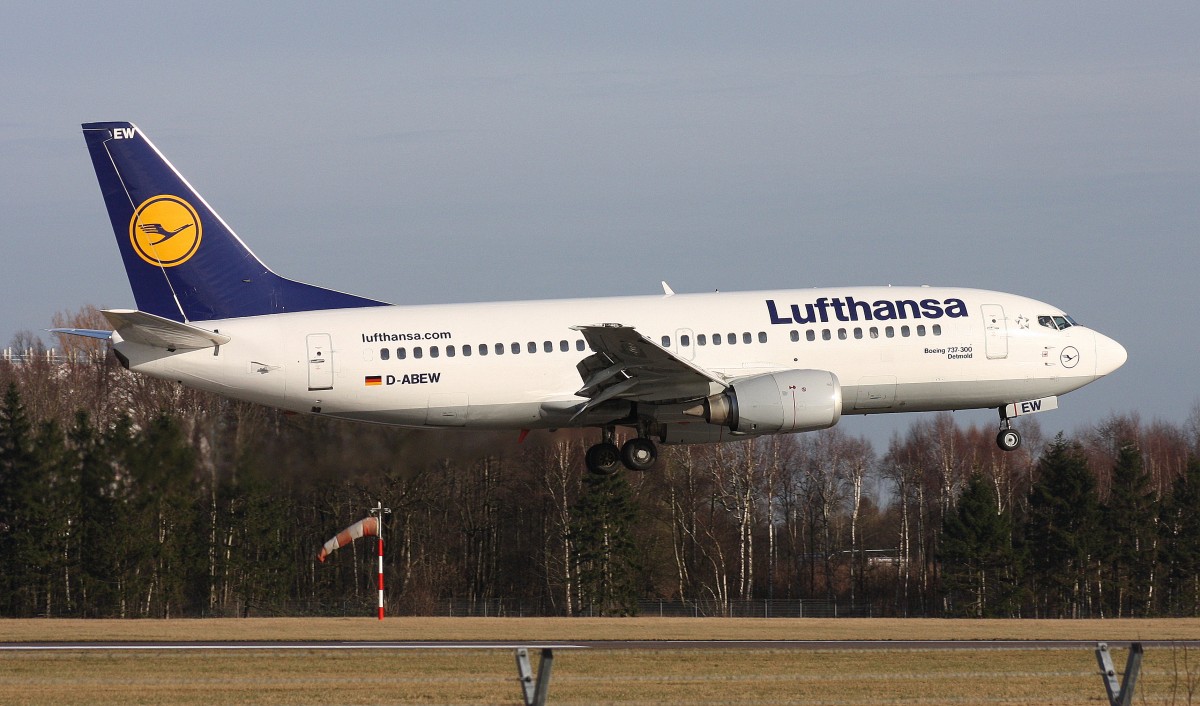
[1008,439]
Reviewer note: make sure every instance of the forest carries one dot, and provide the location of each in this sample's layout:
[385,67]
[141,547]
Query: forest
[124,496]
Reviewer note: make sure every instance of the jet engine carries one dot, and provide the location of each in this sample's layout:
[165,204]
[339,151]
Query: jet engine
[787,401]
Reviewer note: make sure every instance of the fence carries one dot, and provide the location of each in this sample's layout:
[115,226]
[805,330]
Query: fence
[766,608]
[18,356]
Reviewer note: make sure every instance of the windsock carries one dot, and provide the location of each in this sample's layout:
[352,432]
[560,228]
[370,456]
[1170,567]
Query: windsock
[366,527]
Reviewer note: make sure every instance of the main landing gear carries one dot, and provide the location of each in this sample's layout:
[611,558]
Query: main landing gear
[1008,439]
[605,459]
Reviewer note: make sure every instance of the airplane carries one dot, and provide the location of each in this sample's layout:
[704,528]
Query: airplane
[673,368]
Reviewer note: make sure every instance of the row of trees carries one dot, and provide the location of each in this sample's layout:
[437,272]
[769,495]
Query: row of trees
[125,496]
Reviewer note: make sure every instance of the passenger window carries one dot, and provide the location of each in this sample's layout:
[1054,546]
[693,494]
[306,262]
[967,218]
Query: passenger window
[858,333]
[874,332]
[731,338]
[701,339]
[795,335]
[746,337]
[826,335]
[904,331]
[563,346]
[531,347]
[579,345]
[890,332]
[417,352]
[841,334]
[401,353]
[483,349]
[666,341]
[920,329]
[384,354]
[499,349]
[433,351]
[449,351]
[685,340]
[515,347]
[467,350]
[762,336]
[810,335]
[937,329]
[548,346]
[716,339]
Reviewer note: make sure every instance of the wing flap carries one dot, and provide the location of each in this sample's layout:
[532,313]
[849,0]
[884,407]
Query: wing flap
[627,365]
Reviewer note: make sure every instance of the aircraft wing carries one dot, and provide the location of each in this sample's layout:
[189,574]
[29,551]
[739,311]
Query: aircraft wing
[626,365]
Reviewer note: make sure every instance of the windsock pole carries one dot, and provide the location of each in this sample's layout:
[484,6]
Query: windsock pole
[380,538]
[379,511]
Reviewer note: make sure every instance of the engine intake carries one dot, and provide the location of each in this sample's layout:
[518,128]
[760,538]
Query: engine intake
[787,401]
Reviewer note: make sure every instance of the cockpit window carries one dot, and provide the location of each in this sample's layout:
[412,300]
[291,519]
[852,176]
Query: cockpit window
[1058,322]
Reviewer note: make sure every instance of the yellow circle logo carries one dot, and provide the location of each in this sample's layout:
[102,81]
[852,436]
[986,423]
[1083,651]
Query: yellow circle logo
[165,231]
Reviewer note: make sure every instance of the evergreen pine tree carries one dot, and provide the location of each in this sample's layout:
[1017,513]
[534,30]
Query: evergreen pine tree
[605,554]
[259,511]
[128,539]
[95,527]
[977,554]
[1129,536]
[167,549]
[16,464]
[1179,529]
[48,489]
[1062,532]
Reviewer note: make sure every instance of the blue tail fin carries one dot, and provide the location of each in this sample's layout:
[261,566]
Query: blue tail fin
[184,263]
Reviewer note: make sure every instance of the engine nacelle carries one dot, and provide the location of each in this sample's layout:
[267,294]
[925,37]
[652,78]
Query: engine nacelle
[787,401]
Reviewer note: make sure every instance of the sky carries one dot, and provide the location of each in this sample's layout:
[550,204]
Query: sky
[428,152]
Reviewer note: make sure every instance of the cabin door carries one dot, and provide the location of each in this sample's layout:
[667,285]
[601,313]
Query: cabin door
[320,361]
[995,340]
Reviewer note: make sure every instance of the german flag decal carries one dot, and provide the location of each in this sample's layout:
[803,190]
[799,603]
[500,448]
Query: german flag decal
[374,380]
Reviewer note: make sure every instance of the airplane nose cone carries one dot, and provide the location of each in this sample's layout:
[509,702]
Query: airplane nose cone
[1110,355]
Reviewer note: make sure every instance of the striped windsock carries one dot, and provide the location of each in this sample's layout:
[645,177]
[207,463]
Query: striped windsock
[366,527]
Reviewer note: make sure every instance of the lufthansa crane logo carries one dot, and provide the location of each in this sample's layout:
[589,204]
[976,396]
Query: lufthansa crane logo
[165,231]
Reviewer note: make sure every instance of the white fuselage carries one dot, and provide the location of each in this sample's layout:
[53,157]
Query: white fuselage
[890,348]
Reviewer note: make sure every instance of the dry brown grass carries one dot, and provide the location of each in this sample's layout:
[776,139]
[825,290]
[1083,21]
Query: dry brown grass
[580,677]
[667,676]
[566,629]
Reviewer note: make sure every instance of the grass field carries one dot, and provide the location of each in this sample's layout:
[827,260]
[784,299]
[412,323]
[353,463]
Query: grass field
[1056,676]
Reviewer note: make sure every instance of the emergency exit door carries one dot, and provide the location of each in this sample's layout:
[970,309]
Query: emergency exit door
[320,362]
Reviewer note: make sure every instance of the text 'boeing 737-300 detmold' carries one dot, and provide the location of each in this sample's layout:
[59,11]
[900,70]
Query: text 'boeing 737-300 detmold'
[675,368]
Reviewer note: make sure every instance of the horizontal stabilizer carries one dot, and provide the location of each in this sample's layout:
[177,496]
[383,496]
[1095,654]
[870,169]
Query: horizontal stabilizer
[88,332]
[151,330]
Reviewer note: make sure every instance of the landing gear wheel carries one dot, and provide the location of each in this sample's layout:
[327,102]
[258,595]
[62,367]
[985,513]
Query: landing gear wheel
[603,459]
[1008,439]
[639,454]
